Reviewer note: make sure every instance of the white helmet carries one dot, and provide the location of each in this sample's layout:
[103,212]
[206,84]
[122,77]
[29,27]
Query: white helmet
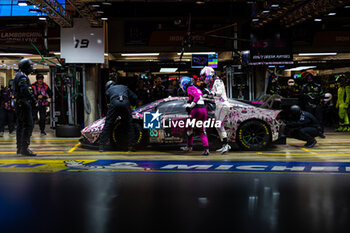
[207,73]
[327,97]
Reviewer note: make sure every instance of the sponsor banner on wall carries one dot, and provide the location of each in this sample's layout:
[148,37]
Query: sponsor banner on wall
[82,43]
[20,36]
[270,49]
[332,38]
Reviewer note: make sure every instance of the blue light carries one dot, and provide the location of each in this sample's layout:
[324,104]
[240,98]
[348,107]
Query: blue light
[11,8]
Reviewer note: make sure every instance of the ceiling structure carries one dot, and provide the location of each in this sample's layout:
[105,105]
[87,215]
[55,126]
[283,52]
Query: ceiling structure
[290,15]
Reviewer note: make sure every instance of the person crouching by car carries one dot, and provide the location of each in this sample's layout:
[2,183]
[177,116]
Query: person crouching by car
[120,97]
[197,110]
[7,109]
[42,92]
[304,126]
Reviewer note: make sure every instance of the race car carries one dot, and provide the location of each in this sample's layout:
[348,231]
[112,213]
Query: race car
[251,127]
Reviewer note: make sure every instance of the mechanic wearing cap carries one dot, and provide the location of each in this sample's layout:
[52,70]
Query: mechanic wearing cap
[42,93]
[7,109]
[303,125]
[24,99]
[120,97]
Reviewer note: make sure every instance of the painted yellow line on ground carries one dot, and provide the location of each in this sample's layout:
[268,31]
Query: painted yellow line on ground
[43,139]
[305,149]
[319,141]
[75,147]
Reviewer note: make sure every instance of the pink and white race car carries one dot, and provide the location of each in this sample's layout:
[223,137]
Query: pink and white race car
[251,127]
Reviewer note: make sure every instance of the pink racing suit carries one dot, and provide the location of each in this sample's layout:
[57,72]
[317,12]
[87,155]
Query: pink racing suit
[198,112]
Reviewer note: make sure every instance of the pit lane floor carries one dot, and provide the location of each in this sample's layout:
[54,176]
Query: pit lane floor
[287,188]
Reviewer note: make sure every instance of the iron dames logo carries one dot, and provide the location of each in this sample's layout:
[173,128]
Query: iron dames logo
[151,120]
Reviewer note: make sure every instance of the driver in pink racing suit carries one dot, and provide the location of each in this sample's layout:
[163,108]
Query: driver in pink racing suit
[197,110]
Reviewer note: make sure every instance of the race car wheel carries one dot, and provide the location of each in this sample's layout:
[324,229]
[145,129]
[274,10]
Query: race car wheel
[253,135]
[119,137]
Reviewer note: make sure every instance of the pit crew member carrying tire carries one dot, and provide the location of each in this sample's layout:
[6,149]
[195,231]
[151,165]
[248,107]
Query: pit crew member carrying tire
[222,109]
[197,110]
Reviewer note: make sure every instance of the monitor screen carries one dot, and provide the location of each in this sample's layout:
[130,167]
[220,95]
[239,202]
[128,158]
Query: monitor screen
[201,60]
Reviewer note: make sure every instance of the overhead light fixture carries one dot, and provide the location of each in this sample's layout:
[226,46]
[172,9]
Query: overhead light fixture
[318,54]
[138,54]
[100,12]
[104,18]
[95,5]
[168,70]
[197,53]
[317,20]
[275,5]
[106,54]
[34,10]
[57,53]
[347,7]
[200,2]
[299,68]
[42,18]
[107,3]
[266,11]
[23,3]
[332,13]
[14,54]
[255,20]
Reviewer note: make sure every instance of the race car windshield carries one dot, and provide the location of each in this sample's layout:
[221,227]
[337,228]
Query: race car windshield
[146,106]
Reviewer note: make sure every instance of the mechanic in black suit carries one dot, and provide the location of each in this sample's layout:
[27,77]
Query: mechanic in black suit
[120,97]
[24,99]
[304,126]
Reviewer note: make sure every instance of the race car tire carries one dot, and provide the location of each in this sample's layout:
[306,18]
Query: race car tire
[253,135]
[119,139]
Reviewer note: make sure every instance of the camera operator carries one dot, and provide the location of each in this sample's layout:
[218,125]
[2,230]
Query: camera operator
[303,125]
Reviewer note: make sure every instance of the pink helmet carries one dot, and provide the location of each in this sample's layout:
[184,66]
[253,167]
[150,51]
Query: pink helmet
[207,73]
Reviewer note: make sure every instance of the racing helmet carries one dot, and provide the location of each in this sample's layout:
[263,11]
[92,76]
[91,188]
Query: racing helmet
[185,82]
[295,111]
[327,97]
[109,84]
[207,73]
[26,66]
[341,79]
[291,82]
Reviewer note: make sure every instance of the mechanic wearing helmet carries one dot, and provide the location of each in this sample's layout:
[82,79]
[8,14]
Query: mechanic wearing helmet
[7,109]
[197,110]
[24,99]
[291,91]
[41,92]
[120,97]
[329,110]
[311,94]
[303,125]
[222,106]
[343,103]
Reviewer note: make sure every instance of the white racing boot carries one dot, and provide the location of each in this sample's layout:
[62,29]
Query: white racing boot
[186,148]
[225,148]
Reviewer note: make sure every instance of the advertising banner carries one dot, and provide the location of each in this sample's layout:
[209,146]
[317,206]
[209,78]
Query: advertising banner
[270,49]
